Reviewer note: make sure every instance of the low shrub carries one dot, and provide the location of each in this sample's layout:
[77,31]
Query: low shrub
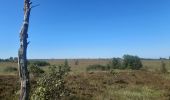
[35,71]
[115,63]
[97,67]
[38,63]
[10,69]
[66,66]
[51,86]
[128,62]
[76,62]
[163,68]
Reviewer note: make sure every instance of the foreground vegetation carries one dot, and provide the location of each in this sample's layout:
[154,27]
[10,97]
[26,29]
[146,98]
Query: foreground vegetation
[149,83]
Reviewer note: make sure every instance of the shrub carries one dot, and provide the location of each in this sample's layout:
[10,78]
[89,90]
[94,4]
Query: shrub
[132,62]
[163,68]
[51,86]
[77,62]
[35,70]
[115,63]
[66,66]
[38,63]
[97,67]
[113,72]
[129,62]
[10,69]
[15,59]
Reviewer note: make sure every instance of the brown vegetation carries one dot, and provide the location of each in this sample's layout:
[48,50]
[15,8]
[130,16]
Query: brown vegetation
[144,84]
[94,85]
[9,85]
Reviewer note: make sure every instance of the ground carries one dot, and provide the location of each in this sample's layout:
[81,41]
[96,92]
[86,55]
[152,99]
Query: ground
[145,84]
[128,85]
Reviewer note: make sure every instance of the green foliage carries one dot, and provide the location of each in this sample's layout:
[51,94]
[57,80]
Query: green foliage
[113,72]
[97,67]
[10,69]
[115,63]
[35,70]
[38,63]
[163,68]
[51,85]
[131,62]
[66,66]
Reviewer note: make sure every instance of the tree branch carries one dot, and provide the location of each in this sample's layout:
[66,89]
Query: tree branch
[35,6]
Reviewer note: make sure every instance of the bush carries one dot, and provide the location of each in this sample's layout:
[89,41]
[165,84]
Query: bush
[38,63]
[115,63]
[132,62]
[10,69]
[97,67]
[51,86]
[66,66]
[129,62]
[35,70]
[77,62]
[163,68]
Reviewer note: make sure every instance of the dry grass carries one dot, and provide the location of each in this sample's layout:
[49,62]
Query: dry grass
[4,65]
[153,65]
[144,84]
[135,85]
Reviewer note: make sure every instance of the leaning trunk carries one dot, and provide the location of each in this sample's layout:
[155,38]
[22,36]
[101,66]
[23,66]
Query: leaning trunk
[22,54]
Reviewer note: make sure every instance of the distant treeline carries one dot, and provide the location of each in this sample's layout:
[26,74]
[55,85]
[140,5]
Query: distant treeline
[15,59]
[10,59]
[96,59]
[154,59]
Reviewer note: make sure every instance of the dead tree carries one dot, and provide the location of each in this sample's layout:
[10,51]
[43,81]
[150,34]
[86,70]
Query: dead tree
[22,53]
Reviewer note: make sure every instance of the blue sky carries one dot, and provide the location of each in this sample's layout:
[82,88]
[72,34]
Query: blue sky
[88,28]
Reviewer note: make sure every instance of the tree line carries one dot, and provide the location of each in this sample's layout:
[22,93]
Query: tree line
[10,59]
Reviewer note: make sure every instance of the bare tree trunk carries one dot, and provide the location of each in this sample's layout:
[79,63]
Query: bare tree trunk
[22,54]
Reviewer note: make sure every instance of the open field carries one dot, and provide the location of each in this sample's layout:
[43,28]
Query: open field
[151,65]
[144,84]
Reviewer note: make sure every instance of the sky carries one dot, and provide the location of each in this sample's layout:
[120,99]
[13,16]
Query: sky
[88,28]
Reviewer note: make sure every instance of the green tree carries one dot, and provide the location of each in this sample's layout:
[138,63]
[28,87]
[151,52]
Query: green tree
[132,62]
[115,63]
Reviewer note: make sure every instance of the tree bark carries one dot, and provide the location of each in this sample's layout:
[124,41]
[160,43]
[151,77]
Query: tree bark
[22,54]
